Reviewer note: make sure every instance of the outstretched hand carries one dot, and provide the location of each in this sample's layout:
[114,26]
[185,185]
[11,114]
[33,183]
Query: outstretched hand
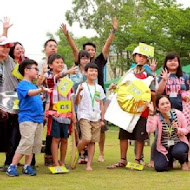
[115,23]
[165,74]
[6,23]
[72,70]
[64,29]
[153,64]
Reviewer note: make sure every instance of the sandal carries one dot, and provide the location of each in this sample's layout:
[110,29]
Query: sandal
[116,165]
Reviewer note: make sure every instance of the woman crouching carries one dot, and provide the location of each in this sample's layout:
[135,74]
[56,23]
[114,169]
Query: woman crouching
[172,142]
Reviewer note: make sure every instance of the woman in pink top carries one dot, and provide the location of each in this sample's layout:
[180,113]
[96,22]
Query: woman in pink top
[172,128]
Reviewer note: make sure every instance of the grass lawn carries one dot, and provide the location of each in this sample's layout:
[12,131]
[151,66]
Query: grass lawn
[100,178]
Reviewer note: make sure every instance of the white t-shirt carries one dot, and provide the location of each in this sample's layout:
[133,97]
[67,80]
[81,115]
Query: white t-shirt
[85,109]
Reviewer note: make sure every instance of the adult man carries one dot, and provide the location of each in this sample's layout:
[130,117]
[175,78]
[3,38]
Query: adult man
[9,83]
[100,60]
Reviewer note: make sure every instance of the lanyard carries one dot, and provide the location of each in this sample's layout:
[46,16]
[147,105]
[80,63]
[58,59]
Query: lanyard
[92,98]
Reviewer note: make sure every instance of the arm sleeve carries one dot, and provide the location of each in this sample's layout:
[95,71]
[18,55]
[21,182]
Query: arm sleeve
[152,124]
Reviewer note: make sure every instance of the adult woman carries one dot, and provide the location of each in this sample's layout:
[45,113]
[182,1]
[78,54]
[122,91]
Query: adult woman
[172,143]
[17,52]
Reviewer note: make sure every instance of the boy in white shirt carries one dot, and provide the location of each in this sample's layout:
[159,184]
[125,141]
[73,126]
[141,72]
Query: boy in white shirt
[90,112]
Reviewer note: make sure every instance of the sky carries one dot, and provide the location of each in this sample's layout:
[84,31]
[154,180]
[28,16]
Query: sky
[32,19]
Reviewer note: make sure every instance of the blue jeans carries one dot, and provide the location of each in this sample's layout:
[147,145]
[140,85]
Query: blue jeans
[179,152]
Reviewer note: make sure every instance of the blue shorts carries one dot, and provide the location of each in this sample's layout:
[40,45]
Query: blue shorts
[59,130]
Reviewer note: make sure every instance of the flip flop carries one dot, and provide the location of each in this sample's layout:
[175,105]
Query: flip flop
[116,165]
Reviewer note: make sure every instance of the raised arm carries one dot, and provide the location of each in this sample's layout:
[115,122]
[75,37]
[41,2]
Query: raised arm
[6,25]
[161,86]
[108,43]
[70,42]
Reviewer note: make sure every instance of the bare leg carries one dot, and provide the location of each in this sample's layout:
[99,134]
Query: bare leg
[64,143]
[28,159]
[54,150]
[123,150]
[17,157]
[82,144]
[91,149]
[139,150]
[101,147]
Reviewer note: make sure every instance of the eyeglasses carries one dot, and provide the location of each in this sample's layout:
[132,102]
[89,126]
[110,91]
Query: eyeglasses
[34,68]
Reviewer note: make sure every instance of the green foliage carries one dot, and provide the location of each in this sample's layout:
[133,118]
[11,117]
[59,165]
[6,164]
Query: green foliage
[161,23]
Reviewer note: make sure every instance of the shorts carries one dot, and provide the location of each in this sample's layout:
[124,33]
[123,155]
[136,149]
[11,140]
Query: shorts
[90,130]
[59,130]
[31,138]
[139,133]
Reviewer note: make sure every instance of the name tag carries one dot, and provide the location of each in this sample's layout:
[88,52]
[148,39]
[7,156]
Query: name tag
[135,166]
[58,169]
[65,86]
[170,143]
[62,106]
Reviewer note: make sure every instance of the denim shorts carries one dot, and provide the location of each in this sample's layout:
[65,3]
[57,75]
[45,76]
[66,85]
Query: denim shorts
[59,130]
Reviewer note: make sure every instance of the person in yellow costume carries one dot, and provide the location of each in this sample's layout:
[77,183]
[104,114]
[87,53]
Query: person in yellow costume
[131,107]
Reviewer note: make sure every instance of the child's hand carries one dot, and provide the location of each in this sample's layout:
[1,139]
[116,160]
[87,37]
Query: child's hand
[80,87]
[72,70]
[153,64]
[102,123]
[165,74]
[48,90]
[112,86]
[151,108]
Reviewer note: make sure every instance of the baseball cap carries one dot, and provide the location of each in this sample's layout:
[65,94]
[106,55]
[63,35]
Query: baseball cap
[4,40]
[137,51]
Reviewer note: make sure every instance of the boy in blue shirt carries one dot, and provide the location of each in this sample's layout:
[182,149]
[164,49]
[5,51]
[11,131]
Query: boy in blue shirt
[30,118]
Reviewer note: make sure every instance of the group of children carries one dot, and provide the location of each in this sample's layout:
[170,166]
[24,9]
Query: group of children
[83,103]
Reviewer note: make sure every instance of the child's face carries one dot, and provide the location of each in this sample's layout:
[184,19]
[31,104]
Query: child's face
[84,61]
[57,66]
[164,105]
[141,59]
[32,71]
[172,64]
[91,74]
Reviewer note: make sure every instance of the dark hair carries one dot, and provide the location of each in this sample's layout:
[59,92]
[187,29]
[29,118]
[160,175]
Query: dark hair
[83,53]
[52,58]
[50,40]
[91,65]
[160,97]
[12,49]
[172,55]
[89,44]
[27,63]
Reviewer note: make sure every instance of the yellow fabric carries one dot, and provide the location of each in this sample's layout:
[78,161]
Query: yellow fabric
[133,96]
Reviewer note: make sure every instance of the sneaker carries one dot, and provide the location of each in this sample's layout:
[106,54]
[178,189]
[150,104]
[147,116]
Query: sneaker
[12,171]
[29,171]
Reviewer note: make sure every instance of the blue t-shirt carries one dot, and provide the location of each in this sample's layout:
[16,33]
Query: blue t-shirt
[30,107]
[174,87]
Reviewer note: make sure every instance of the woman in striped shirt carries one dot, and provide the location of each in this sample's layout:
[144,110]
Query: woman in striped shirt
[172,128]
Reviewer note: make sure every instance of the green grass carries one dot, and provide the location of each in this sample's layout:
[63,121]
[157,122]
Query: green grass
[100,178]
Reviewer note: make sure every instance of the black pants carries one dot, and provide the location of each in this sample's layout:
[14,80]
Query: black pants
[14,137]
[179,152]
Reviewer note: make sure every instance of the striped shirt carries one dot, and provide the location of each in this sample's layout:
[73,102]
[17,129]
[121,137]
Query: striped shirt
[9,81]
[166,136]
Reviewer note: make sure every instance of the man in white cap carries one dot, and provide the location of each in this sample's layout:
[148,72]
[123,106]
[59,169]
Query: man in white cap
[9,83]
